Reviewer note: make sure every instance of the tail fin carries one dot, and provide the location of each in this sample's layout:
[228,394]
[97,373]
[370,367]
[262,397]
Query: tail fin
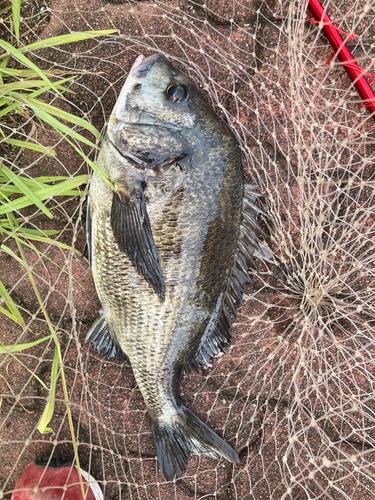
[185,434]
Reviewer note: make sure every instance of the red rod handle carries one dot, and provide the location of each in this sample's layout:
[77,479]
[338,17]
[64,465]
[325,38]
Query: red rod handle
[354,71]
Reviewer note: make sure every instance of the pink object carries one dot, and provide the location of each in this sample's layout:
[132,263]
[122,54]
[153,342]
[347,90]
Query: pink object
[138,61]
[55,483]
[356,74]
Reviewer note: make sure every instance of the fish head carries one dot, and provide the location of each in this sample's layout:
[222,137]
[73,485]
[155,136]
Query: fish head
[155,92]
[157,112]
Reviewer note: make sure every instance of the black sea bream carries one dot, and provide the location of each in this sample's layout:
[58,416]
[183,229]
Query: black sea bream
[170,248]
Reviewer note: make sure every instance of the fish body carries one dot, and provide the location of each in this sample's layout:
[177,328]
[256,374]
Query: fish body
[170,248]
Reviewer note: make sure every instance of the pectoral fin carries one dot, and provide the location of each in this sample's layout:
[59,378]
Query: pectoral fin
[132,230]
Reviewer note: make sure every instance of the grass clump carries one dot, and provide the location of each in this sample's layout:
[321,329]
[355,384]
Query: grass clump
[23,89]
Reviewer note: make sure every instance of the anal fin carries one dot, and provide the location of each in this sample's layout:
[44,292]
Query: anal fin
[100,337]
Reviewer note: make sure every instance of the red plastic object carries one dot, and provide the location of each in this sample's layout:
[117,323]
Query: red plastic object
[54,484]
[356,74]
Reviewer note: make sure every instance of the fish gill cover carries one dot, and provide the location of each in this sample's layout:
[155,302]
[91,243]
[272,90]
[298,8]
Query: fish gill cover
[294,394]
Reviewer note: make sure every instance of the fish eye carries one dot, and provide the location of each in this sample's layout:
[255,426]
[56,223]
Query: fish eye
[177,92]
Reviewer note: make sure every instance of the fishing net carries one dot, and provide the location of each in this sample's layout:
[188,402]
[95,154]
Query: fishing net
[294,394]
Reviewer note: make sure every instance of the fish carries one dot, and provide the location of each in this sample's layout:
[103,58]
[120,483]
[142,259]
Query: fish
[170,247]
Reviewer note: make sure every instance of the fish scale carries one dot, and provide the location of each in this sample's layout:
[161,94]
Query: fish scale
[165,247]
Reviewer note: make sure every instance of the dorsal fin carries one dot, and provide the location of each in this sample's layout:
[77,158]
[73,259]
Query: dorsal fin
[217,336]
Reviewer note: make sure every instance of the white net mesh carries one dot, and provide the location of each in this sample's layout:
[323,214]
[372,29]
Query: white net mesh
[294,394]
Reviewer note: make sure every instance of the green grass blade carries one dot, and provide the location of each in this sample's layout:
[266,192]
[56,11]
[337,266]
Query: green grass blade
[10,304]
[94,167]
[9,315]
[64,130]
[42,179]
[57,361]
[7,349]
[24,60]
[9,108]
[7,190]
[7,205]
[10,252]
[30,85]
[62,189]
[16,12]
[4,222]
[63,115]
[20,73]
[61,128]
[4,62]
[28,369]
[13,229]
[18,85]
[25,190]
[6,9]
[68,38]
[14,96]
[37,182]
[42,239]
[98,171]
[14,99]
[51,178]
[50,406]
[31,145]
[37,232]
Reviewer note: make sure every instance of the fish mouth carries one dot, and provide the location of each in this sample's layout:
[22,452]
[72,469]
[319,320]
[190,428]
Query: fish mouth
[142,65]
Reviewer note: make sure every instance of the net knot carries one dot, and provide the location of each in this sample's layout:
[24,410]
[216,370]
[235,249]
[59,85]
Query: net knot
[351,36]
